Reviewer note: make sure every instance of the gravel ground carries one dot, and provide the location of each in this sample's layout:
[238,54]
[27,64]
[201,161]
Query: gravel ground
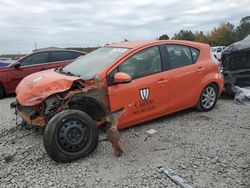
[206,149]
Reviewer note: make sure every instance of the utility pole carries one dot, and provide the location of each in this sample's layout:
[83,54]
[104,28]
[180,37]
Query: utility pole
[35,46]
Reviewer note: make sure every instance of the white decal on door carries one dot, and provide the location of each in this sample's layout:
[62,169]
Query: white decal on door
[144,93]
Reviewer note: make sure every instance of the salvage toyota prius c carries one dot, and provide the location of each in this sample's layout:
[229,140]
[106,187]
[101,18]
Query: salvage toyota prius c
[118,85]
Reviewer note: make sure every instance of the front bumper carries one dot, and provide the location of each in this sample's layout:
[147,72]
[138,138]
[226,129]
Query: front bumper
[29,114]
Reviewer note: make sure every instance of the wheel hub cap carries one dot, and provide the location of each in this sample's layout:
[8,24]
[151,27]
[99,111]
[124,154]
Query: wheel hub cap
[73,135]
[208,97]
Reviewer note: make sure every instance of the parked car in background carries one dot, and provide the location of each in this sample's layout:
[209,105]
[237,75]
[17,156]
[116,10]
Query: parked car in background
[12,74]
[216,51]
[3,64]
[121,85]
[5,61]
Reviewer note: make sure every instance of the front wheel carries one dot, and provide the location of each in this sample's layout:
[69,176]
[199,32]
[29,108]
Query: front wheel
[70,135]
[208,98]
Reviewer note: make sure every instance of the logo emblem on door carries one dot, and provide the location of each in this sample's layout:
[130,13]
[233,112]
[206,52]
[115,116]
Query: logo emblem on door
[144,93]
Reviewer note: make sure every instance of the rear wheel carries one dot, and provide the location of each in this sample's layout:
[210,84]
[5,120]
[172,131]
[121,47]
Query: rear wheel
[2,92]
[70,135]
[208,98]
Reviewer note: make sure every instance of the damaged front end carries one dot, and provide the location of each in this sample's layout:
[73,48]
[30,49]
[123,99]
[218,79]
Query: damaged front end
[42,95]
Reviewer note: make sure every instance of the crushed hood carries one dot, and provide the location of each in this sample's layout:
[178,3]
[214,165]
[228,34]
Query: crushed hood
[36,87]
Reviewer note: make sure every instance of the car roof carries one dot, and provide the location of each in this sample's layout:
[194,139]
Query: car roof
[55,49]
[137,44]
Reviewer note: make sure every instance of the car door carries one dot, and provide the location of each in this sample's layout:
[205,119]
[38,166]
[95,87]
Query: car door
[31,64]
[184,76]
[141,98]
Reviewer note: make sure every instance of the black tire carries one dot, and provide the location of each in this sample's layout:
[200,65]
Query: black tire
[212,100]
[2,92]
[70,135]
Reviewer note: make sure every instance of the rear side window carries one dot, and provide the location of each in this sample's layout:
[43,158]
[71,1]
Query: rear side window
[180,55]
[76,55]
[60,56]
[195,53]
[36,59]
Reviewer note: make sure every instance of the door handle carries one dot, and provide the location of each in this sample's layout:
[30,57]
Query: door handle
[162,81]
[200,69]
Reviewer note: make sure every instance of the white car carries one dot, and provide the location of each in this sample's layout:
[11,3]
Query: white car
[216,51]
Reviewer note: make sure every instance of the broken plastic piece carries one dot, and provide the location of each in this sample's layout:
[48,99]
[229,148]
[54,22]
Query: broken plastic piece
[175,178]
[112,132]
[151,131]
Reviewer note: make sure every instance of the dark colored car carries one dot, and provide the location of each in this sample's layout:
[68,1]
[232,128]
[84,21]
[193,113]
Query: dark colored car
[236,65]
[11,75]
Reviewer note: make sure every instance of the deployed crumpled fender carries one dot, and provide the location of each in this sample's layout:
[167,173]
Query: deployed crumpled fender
[28,95]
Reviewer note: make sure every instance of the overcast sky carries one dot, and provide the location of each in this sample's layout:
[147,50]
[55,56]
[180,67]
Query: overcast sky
[68,23]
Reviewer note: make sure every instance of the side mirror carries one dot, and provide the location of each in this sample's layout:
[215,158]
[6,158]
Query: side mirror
[17,65]
[122,78]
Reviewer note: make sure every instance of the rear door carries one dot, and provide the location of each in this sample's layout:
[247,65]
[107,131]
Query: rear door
[184,76]
[142,98]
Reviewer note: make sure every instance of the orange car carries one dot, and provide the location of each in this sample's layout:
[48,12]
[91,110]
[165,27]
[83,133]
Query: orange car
[119,85]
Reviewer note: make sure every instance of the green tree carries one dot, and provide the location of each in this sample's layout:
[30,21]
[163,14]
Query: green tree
[201,37]
[164,37]
[224,34]
[244,28]
[184,35]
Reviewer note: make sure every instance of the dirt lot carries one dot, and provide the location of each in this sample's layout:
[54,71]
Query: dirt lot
[206,149]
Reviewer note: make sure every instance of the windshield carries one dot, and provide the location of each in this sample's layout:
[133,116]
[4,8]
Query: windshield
[91,64]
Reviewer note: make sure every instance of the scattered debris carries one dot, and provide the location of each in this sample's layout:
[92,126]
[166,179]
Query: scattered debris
[175,178]
[242,95]
[151,131]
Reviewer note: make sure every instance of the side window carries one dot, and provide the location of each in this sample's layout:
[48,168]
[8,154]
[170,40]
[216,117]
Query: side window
[60,56]
[179,55]
[143,63]
[36,59]
[219,49]
[195,53]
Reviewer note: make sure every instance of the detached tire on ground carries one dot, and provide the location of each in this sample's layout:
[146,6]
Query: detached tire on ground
[208,98]
[70,135]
